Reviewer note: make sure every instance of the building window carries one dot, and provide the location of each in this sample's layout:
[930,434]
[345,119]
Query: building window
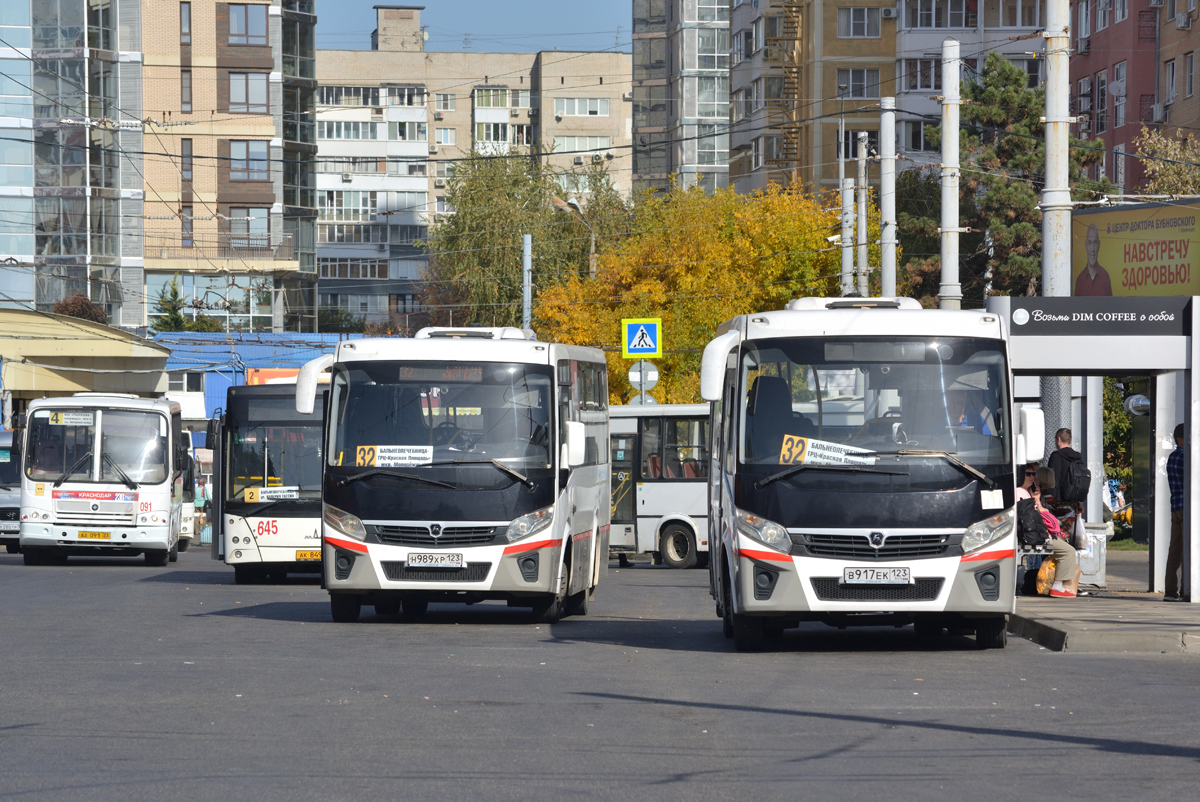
[407,132]
[859,23]
[353,268]
[1014,13]
[444,169]
[923,73]
[581,106]
[712,96]
[248,160]
[569,144]
[185,226]
[1085,18]
[348,129]
[850,144]
[348,95]
[712,144]
[520,98]
[443,102]
[491,132]
[712,10]
[185,381]
[248,92]
[185,90]
[756,153]
[774,147]
[405,96]
[1103,12]
[1118,92]
[1121,10]
[491,98]
[445,136]
[859,83]
[249,227]
[1033,68]
[247,24]
[1101,101]
[346,206]
[712,49]
[442,206]
[1169,82]
[941,14]
[916,139]
[522,134]
[185,23]
[1189,75]
[185,159]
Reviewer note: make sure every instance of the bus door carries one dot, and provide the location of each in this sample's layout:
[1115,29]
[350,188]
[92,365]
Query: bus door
[624,491]
[672,473]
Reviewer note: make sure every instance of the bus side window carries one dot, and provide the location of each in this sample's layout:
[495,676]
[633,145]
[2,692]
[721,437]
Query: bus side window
[651,437]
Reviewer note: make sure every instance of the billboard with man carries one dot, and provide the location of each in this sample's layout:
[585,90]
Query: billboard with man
[1142,249]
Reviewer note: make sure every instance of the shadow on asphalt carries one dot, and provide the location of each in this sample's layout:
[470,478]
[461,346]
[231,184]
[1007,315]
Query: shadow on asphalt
[224,576]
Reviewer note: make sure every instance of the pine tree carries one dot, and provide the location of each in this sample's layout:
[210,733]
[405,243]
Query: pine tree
[170,308]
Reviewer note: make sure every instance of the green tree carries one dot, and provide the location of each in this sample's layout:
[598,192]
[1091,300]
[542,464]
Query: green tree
[205,323]
[1175,170]
[475,267]
[170,309]
[335,319]
[80,306]
[1118,433]
[1003,163]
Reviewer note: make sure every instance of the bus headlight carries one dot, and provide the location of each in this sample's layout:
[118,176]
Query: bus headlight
[344,522]
[982,533]
[764,531]
[529,524]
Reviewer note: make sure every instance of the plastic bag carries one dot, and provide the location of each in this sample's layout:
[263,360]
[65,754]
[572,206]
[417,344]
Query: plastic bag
[1079,536]
[1045,576]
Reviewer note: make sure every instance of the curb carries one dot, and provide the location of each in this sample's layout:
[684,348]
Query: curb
[1065,639]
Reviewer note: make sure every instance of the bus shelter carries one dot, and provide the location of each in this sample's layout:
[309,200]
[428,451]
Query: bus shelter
[1123,337]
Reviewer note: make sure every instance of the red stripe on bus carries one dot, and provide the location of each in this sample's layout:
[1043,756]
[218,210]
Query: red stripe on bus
[990,555]
[517,548]
[770,556]
[349,545]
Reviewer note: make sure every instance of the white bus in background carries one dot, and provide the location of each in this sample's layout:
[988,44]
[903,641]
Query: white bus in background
[463,465]
[660,482]
[862,469]
[10,491]
[187,528]
[266,487]
[103,477]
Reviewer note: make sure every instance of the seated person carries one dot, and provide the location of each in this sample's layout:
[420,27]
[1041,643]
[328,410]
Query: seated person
[961,416]
[1025,488]
[1066,572]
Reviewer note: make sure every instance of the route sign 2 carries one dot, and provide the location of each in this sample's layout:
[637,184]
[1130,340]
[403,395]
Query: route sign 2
[641,337]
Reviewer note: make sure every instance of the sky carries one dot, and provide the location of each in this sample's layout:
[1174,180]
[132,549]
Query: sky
[488,26]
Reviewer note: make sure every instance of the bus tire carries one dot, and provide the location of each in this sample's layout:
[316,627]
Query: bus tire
[726,606]
[991,633]
[344,607]
[183,544]
[677,545]
[552,609]
[415,607]
[173,554]
[578,603]
[34,556]
[157,558]
[749,634]
[245,574]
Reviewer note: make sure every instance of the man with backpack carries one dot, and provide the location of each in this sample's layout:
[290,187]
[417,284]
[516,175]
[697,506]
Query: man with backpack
[1072,479]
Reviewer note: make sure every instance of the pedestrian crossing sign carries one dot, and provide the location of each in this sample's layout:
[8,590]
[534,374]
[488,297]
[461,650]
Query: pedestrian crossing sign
[642,337]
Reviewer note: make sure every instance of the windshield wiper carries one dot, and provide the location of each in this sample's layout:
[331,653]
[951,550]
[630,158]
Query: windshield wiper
[394,475]
[525,480]
[132,485]
[786,472]
[78,463]
[259,509]
[953,460]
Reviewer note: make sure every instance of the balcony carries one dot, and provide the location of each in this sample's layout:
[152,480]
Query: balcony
[272,251]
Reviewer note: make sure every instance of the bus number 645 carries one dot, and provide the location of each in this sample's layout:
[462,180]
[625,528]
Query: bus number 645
[267,528]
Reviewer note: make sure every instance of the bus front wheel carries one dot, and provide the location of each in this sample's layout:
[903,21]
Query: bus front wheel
[173,554]
[991,633]
[344,608]
[157,557]
[183,544]
[678,546]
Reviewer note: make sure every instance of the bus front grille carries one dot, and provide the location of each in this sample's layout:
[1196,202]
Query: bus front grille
[832,589]
[451,536]
[857,547]
[92,518]
[471,572]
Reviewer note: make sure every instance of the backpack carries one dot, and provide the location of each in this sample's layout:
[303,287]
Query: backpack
[1031,529]
[1078,480]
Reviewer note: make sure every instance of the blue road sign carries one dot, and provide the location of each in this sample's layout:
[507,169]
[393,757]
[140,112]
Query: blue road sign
[641,337]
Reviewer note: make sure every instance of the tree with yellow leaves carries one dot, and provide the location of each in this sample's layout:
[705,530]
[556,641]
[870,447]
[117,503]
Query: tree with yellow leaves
[695,260]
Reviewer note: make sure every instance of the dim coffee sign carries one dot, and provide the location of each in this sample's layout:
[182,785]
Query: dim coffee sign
[1072,317]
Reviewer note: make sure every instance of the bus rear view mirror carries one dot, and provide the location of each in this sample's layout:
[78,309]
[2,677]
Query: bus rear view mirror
[576,444]
[1031,441]
[712,366]
[306,383]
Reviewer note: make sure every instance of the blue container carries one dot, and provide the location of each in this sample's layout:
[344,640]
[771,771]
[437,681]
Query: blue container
[206,535]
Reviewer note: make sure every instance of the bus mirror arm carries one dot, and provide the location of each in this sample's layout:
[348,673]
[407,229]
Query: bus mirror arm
[306,383]
[712,366]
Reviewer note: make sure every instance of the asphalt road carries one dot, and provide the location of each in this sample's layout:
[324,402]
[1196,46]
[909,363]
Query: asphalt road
[122,682]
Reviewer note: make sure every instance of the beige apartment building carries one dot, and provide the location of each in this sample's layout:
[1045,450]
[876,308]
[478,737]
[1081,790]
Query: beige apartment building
[229,201]
[393,121]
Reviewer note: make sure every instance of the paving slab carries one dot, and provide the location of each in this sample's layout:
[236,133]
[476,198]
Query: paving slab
[1109,623]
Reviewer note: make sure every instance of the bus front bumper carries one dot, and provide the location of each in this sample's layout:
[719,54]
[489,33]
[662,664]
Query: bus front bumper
[95,538]
[981,583]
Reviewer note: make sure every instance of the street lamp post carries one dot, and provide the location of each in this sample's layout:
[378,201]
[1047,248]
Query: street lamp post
[572,207]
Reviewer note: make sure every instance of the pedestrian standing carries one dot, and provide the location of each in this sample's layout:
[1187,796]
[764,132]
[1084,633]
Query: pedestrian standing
[1175,465]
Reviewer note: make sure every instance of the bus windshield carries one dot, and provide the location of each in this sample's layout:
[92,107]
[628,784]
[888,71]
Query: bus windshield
[274,462]
[63,444]
[850,405]
[405,415]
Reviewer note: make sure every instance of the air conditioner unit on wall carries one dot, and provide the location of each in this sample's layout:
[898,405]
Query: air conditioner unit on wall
[1085,86]
[347,176]
[433,148]
[1156,3]
[1183,21]
[1158,113]
[439,183]
[889,13]
[579,160]
[515,113]
[1082,45]
[1085,126]
[1085,104]
[627,96]
[437,115]
[533,111]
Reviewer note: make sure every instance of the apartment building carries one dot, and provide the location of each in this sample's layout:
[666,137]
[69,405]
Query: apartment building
[395,120]
[229,189]
[1179,45]
[798,70]
[680,93]
[1113,86]
[70,193]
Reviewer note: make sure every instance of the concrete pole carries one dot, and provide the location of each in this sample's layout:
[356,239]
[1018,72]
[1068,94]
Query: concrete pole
[847,236]
[863,189]
[950,293]
[887,197]
[1056,195]
[527,281]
